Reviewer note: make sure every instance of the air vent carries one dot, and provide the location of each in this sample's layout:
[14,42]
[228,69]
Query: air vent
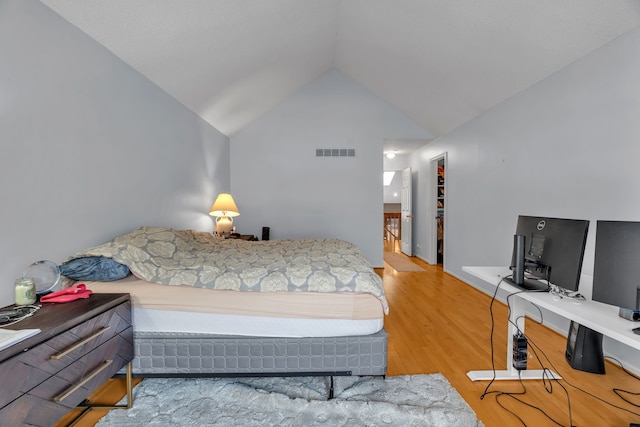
[335,152]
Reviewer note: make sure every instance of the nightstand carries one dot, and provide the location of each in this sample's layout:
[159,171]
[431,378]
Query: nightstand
[81,345]
[249,237]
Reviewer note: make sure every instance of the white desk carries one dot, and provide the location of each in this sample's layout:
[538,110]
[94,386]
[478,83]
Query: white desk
[600,317]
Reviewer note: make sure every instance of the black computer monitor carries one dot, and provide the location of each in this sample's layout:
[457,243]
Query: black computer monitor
[616,270]
[548,251]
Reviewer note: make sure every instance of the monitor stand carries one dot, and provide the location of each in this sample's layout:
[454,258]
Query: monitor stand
[529,285]
[518,278]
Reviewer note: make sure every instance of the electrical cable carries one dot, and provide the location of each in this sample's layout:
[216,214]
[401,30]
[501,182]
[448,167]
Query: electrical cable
[511,395]
[493,298]
[619,363]
[618,391]
[25,311]
[588,393]
[499,393]
[548,379]
[493,364]
[547,375]
[554,369]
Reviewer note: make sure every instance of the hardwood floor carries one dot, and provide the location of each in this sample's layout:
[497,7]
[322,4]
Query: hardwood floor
[439,324]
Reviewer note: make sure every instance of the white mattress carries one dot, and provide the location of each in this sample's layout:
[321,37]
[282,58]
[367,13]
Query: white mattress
[152,320]
[185,309]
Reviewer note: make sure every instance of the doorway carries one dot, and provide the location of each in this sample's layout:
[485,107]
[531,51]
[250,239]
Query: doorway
[397,155]
[406,244]
[439,204]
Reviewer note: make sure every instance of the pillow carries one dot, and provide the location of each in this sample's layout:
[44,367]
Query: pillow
[97,268]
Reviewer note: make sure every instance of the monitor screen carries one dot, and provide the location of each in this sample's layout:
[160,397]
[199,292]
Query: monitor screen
[616,271]
[553,249]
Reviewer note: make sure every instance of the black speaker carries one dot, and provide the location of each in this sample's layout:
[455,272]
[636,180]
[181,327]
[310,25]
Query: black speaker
[265,233]
[584,349]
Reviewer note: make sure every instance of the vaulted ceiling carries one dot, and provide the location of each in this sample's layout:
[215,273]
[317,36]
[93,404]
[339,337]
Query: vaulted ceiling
[441,62]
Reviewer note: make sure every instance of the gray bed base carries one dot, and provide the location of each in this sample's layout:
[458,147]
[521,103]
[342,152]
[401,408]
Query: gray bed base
[161,354]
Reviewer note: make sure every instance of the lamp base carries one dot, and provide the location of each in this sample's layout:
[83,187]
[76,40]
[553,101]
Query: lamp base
[224,225]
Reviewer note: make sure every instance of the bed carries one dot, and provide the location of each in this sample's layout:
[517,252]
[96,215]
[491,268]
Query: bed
[205,306]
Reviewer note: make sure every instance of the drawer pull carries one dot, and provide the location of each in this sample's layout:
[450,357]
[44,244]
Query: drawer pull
[93,336]
[88,378]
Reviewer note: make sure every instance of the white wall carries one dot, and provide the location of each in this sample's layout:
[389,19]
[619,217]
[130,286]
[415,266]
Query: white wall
[90,148]
[392,193]
[277,180]
[566,147]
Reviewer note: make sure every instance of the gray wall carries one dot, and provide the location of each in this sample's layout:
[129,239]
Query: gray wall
[393,192]
[277,180]
[566,147]
[90,148]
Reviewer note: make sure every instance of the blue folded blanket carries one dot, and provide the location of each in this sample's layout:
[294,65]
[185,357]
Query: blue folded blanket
[96,268]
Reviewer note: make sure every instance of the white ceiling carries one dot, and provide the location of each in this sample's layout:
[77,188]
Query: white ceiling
[441,62]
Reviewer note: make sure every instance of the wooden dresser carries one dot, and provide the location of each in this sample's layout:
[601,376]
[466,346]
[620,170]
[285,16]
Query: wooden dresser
[81,345]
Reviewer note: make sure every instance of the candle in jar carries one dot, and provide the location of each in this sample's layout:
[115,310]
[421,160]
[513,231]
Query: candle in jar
[25,292]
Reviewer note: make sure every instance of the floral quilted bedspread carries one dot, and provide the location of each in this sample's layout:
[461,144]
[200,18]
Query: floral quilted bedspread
[187,257]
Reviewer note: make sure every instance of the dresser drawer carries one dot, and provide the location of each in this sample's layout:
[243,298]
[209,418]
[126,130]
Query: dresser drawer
[63,364]
[17,378]
[65,390]
[60,351]
[73,384]
[21,412]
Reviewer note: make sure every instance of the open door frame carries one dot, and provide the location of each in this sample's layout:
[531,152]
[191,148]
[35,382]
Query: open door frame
[432,209]
[406,244]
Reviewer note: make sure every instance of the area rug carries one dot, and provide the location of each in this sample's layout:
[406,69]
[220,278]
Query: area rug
[401,262]
[410,400]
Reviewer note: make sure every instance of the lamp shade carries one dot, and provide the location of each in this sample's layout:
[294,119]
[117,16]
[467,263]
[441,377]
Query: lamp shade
[224,206]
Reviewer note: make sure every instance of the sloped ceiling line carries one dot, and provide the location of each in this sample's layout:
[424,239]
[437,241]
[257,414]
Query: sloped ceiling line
[439,62]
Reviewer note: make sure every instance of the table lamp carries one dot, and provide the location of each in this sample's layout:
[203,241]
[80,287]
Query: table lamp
[224,208]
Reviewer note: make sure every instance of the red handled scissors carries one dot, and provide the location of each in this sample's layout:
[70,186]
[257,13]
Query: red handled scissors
[69,294]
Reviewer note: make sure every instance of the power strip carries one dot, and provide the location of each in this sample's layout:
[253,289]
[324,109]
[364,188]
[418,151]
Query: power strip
[520,351]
